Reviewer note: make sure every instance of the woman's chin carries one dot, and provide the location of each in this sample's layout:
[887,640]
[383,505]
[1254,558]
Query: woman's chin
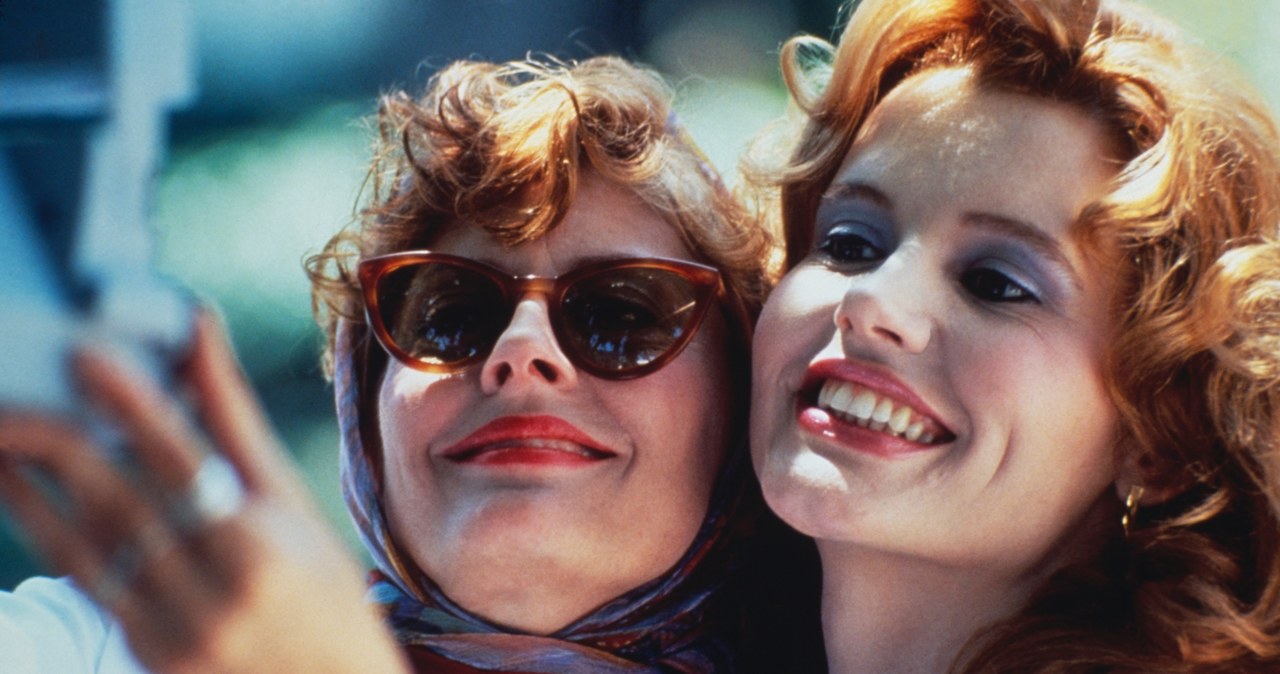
[538,564]
[806,490]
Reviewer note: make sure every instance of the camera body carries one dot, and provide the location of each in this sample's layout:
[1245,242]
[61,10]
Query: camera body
[85,93]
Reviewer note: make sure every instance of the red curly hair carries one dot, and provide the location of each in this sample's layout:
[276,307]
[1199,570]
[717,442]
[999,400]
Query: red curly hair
[1195,370]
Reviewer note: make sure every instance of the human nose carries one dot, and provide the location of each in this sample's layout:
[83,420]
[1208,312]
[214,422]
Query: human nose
[527,352]
[886,307]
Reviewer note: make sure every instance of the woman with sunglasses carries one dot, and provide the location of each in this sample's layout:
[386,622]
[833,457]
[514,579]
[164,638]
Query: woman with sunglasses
[539,337]
[538,333]
[1022,379]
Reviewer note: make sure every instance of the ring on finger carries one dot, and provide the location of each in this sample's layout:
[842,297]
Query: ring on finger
[214,495]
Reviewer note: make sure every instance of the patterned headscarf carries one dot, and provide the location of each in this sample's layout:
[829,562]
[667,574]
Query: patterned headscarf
[674,623]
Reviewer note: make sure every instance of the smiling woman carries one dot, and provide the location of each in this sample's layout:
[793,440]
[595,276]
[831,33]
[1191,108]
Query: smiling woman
[543,448]
[926,240]
[529,463]
[538,333]
[1020,381]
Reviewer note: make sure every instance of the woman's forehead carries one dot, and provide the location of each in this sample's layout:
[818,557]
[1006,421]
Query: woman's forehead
[941,137]
[604,221]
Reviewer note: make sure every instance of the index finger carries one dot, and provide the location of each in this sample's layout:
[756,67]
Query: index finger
[232,414]
[156,427]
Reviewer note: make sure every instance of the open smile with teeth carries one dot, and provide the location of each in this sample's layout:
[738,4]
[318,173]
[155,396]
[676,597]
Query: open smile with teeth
[874,411]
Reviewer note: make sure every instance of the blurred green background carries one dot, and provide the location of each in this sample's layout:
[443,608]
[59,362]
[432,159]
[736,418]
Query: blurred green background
[268,161]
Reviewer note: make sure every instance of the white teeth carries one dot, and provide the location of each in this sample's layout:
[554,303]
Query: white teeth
[824,396]
[854,404]
[900,419]
[841,398]
[863,404]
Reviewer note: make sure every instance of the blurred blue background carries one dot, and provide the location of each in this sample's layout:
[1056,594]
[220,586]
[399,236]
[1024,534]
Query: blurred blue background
[266,162]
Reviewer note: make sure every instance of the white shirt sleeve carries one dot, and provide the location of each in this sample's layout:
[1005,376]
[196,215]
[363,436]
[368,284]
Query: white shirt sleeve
[48,625]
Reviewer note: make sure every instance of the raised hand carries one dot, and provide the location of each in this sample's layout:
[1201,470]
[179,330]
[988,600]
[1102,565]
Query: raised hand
[204,544]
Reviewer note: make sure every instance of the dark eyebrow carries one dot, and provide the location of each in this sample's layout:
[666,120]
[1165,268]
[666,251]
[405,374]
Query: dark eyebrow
[1029,234]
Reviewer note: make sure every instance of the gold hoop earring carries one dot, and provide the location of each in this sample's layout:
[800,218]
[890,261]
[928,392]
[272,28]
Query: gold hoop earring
[1131,507]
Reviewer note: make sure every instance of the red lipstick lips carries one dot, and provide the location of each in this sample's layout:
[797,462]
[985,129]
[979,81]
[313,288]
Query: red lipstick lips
[914,426]
[528,440]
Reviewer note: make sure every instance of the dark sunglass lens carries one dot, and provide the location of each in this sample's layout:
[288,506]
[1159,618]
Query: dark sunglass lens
[441,313]
[626,318]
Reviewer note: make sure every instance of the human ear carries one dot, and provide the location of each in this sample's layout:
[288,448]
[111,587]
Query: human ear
[1136,476]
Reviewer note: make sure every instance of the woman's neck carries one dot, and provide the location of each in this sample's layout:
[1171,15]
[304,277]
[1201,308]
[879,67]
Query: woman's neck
[885,613]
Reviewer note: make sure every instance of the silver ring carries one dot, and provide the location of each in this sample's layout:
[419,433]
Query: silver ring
[215,494]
